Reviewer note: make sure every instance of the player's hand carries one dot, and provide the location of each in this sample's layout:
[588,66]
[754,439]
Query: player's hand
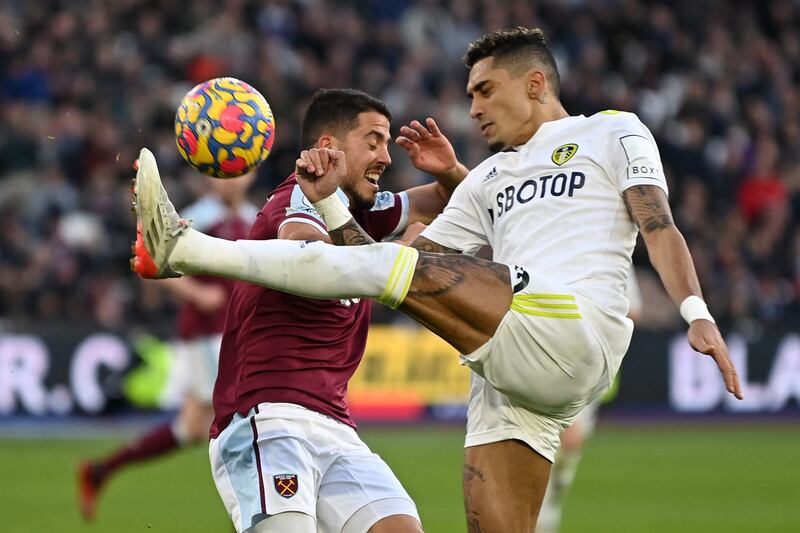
[428,148]
[319,172]
[704,337]
[411,233]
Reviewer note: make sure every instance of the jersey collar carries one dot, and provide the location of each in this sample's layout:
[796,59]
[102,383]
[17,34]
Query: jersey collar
[545,128]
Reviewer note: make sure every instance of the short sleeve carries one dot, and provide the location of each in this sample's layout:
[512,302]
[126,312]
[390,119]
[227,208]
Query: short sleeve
[387,218]
[461,226]
[634,156]
[300,210]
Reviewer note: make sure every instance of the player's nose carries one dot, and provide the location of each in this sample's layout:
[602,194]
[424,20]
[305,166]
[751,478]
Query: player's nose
[475,111]
[383,156]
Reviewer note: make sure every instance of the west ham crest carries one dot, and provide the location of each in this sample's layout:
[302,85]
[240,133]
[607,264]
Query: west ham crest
[285,484]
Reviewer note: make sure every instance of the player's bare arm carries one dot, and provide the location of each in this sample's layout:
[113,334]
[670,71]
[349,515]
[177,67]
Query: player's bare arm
[297,231]
[649,209]
[351,234]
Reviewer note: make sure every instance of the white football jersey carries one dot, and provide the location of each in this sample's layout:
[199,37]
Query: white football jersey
[555,205]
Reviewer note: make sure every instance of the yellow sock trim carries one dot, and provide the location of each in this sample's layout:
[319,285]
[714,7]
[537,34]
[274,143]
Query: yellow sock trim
[400,278]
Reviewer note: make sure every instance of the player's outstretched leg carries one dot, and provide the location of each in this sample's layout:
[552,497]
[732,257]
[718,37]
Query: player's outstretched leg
[462,299]
[167,247]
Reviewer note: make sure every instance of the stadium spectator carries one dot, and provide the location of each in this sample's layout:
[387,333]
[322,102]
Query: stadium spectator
[81,88]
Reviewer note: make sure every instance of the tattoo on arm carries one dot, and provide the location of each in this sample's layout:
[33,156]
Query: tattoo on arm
[648,207]
[426,245]
[351,234]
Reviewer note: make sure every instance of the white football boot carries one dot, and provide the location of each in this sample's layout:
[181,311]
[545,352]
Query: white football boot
[158,225]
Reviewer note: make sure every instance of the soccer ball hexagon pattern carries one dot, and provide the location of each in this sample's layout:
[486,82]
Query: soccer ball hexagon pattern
[224,128]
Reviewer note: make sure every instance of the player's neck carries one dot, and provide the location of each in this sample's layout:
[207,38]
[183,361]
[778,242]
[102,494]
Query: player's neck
[547,113]
[554,111]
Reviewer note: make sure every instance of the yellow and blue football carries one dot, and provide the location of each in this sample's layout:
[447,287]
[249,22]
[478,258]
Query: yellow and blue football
[224,128]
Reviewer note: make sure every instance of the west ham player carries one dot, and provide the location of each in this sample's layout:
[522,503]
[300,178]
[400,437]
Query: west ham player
[544,326]
[284,452]
[225,213]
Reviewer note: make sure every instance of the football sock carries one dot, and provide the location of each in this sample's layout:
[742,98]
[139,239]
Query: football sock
[312,269]
[158,442]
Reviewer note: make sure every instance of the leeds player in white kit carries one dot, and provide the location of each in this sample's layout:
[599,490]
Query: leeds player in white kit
[544,326]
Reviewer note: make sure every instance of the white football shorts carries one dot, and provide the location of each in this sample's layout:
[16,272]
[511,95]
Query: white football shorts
[196,364]
[283,457]
[543,365]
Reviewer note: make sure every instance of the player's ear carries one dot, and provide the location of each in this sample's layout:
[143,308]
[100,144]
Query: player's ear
[325,141]
[535,84]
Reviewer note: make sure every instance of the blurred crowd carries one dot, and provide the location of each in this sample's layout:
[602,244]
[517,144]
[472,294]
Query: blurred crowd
[85,83]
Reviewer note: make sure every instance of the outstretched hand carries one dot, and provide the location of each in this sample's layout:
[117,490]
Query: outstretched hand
[319,172]
[704,337]
[428,148]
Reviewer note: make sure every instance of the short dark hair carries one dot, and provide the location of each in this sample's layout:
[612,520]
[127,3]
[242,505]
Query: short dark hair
[336,111]
[515,50]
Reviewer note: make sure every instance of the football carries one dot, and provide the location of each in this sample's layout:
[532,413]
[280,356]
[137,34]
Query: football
[224,128]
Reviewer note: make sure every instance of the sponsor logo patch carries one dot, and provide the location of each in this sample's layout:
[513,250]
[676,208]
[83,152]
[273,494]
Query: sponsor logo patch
[285,484]
[563,153]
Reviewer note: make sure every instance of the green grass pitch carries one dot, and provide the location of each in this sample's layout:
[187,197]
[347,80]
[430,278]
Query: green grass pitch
[643,478]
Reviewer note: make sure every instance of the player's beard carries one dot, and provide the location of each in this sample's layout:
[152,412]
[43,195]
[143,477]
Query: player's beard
[361,202]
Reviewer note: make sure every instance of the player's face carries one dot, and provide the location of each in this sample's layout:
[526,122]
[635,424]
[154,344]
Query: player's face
[500,104]
[366,149]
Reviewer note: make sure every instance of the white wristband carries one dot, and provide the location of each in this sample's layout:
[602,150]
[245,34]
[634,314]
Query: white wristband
[333,212]
[694,308]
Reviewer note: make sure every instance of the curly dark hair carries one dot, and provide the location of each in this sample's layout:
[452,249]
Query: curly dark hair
[516,49]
